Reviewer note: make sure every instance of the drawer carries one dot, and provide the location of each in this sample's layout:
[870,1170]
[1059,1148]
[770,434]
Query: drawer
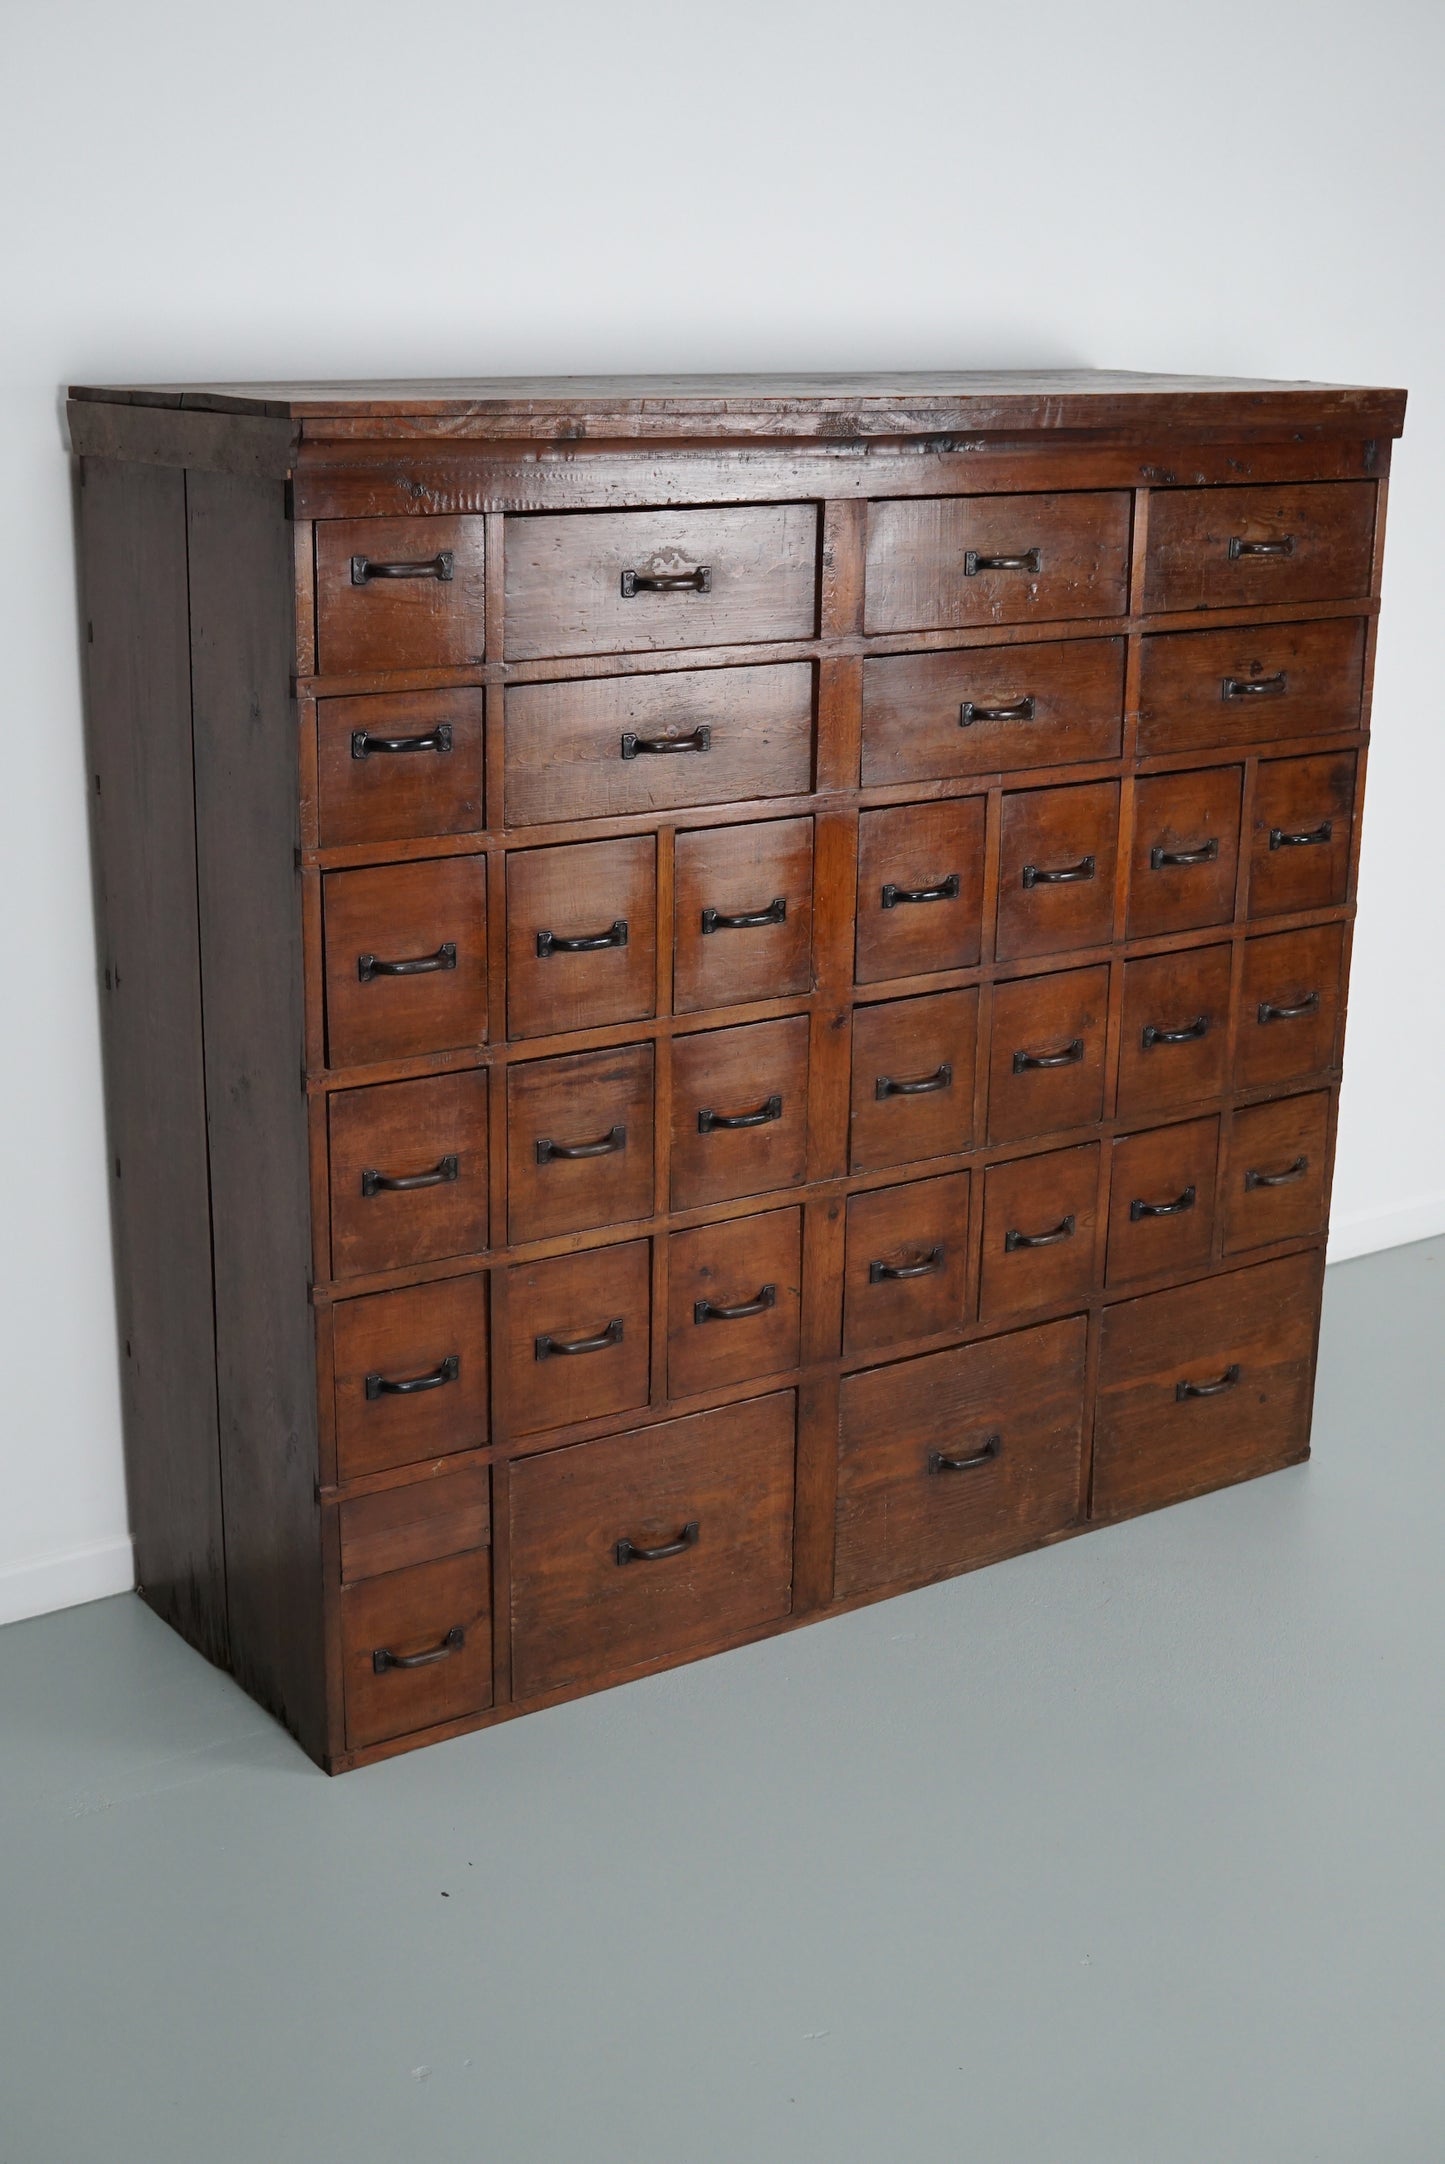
[1204,1385]
[410,1372]
[733,1301]
[744,900]
[579,1141]
[1161,1201]
[930,717]
[939,562]
[958,1458]
[650,1547]
[578,1336]
[907,1262]
[1174,1040]
[739,1111]
[1202,689]
[625,582]
[424,1522]
[1275,1177]
[913,1076]
[1046,1053]
[1300,840]
[920,889]
[406,959]
[416,1648]
[1040,1217]
[399,768]
[1058,851]
[1186,851]
[1232,548]
[626,744]
[408,1172]
[581,935]
[399,593]
[1289,1006]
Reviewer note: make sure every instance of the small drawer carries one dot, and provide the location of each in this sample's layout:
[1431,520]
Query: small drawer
[1161,1201]
[406,959]
[1058,852]
[1046,1054]
[907,1260]
[1300,842]
[423,1522]
[1204,1385]
[579,1141]
[1186,851]
[1039,1221]
[1232,548]
[1174,1047]
[991,709]
[408,1172]
[581,935]
[399,768]
[739,1111]
[744,900]
[1275,1178]
[958,1458]
[398,593]
[939,562]
[733,1301]
[651,1547]
[625,582]
[913,1077]
[416,1648]
[410,1373]
[578,1337]
[626,744]
[920,889]
[1202,690]
[1289,1006]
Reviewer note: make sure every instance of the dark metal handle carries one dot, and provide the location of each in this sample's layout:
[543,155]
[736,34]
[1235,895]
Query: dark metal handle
[667,582]
[765,1297]
[562,1348]
[627,1551]
[1064,1230]
[1221,1383]
[1255,687]
[438,739]
[1067,875]
[586,942]
[710,1122]
[1268,1011]
[383,1658]
[698,739]
[1162,1209]
[945,891]
[1152,1034]
[1296,1171]
[384,1183]
[1012,710]
[888,1085]
[1281,838]
[1069,1056]
[973,562]
[363,569]
[614,1139]
[1161,859]
[420,965]
[747,920]
[894,1273]
[938,1462]
[381,1386]
[1238,547]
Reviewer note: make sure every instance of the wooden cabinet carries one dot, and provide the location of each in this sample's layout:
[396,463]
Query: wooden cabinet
[741,1012]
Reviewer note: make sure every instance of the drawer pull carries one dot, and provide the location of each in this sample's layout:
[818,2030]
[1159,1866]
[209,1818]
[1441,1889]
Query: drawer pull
[364,569]
[1296,1171]
[383,1658]
[1176,1208]
[1068,1056]
[710,1122]
[1272,1011]
[363,744]
[1216,1389]
[1152,1034]
[1162,860]
[1281,838]
[1011,710]
[747,920]
[381,1386]
[698,739]
[939,1462]
[585,942]
[1064,1230]
[547,1347]
[765,1297]
[1031,560]
[627,1551]
[386,1183]
[1239,547]
[1255,687]
[667,582]
[921,1085]
[605,1146]
[1066,875]
[945,891]
[420,965]
[895,1273]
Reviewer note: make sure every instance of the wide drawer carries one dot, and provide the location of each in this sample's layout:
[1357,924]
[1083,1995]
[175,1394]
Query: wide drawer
[931,717]
[1202,689]
[934,563]
[739,1111]
[579,1141]
[399,767]
[416,1648]
[1289,1006]
[906,1270]
[408,1172]
[410,1371]
[581,935]
[1224,548]
[399,593]
[406,959]
[1275,1175]
[577,1336]
[920,889]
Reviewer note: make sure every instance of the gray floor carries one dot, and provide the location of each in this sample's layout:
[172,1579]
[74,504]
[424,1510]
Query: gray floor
[1134,1851]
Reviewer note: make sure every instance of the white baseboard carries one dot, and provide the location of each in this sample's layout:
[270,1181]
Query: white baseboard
[1365,1232]
[91,1572]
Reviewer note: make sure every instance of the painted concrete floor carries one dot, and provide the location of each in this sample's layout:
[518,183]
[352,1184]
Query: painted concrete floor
[1133,1851]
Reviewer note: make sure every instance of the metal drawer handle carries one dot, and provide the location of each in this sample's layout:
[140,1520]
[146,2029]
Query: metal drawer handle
[381,1386]
[1223,1382]
[605,1146]
[1239,547]
[938,1462]
[1281,838]
[383,1658]
[667,582]
[713,920]
[1152,1034]
[1067,875]
[765,1297]
[364,569]
[698,739]
[563,1348]
[1255,687]
[421,965]
[1068,1056]
[945,891]
[895,1273]
[385,1183]
[921,1085]
[627,1551]
[710,1122]
[438,739]
[1176,1208]
[1269,1011]
[1296,1171]
[1064,1230]
[585,942]
[1011,710]
[1161,860]
[973,562]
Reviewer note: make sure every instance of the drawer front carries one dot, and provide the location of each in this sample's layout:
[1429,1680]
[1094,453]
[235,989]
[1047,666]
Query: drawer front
[739,1111]
[1231,548]
[423,1522]
[578,1336]
[1046,1054]
[1204,1385]
[1040,1217]
[744,901]
[939,563]
[1202,689]
[1289,1006]
[410,1375]
[406,959]
[1174,1046]
[1058,852]
[1300,842]
[627,744]
[581,935]
[733,1301]
[437,1616]
[1161,1200]
[408,1172]
[1186,851]
[399,768]
[930,717]
[399,593]
[906,1263]
[958,1458]
[913,1075]
[579,1141]
[592,1596]
[920,889]
[1275,1178]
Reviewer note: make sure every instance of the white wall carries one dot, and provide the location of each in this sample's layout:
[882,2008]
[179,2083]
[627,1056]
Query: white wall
[365,187]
